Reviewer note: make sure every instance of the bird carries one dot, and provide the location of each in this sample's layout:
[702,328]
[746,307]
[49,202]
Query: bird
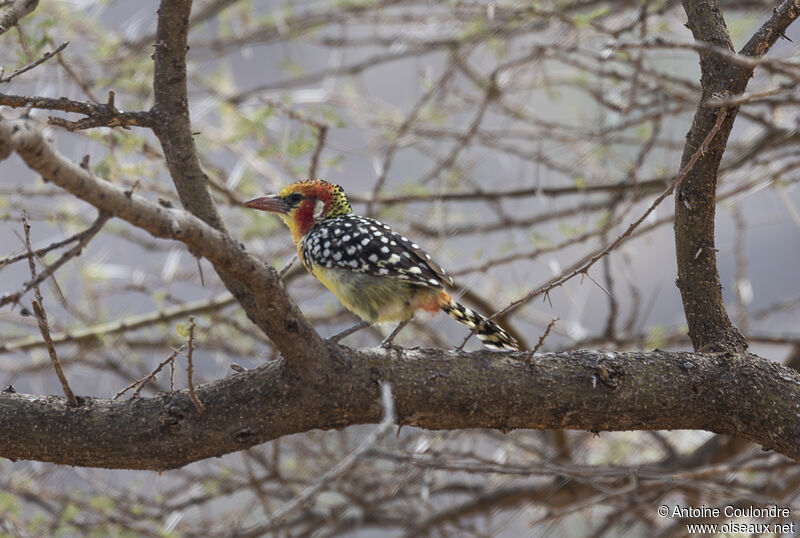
[376,273]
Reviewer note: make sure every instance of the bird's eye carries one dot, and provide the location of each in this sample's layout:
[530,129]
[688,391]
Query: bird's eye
[294,198]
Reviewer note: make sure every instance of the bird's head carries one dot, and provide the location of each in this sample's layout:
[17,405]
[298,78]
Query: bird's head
[304,203]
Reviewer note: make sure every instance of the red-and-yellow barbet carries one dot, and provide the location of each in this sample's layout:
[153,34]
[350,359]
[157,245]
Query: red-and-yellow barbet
[378,274]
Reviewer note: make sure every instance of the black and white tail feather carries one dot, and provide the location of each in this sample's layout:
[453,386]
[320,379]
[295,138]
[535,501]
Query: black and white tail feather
[488,332]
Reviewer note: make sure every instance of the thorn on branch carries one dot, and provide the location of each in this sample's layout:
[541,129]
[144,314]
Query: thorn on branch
[582,267]
[129,192]
[596,283]
[200,270]
[286,267]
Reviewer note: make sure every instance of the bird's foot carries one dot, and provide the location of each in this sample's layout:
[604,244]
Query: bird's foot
[347,332]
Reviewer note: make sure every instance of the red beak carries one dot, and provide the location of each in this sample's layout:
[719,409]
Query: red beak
[272,203]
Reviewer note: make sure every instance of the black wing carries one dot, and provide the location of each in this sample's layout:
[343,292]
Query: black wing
[369,246]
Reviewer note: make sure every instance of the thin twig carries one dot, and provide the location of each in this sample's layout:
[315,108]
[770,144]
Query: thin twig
[190,368]
[41,318]
[76,79]
[146,379]
[286,267]
[544,336]
[584,267]
[322,135]
[31,65]
[83,239]
[344,464]
[41,251]
[320,127]
[125,324]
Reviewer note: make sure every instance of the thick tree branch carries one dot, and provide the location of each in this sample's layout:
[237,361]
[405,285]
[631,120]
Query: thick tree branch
[772,29]
[18,10]
[174,131]
[745,396]
[97,114]
[710,328]
[273,309]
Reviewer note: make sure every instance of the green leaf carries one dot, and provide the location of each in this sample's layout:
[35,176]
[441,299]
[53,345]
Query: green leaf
[9,504]
[300,145]
[586,18]
[182,329]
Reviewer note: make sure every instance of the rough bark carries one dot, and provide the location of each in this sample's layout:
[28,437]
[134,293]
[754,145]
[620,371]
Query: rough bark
[321,385]
[710,328]
[295,337]
[745,396]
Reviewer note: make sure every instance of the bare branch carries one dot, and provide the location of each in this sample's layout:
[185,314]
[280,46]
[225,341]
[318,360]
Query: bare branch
[589,261]
[190,368]
[128,324]
[83,239]
[295,338]
[141,383]
[270,306]
[342,467]
[601,391]
[31,65]
[542,338]
[698,280]
[772,29]
[41,317]
[98,115]
[18,10]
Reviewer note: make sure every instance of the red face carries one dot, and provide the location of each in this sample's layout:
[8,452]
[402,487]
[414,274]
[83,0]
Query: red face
[300,205]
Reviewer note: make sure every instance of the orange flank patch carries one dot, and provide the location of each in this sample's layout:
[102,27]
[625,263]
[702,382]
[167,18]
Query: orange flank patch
[432,303]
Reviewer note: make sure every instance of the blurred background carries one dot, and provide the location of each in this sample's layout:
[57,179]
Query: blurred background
[512,140]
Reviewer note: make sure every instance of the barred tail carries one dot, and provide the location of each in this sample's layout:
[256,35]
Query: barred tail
[488,332]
